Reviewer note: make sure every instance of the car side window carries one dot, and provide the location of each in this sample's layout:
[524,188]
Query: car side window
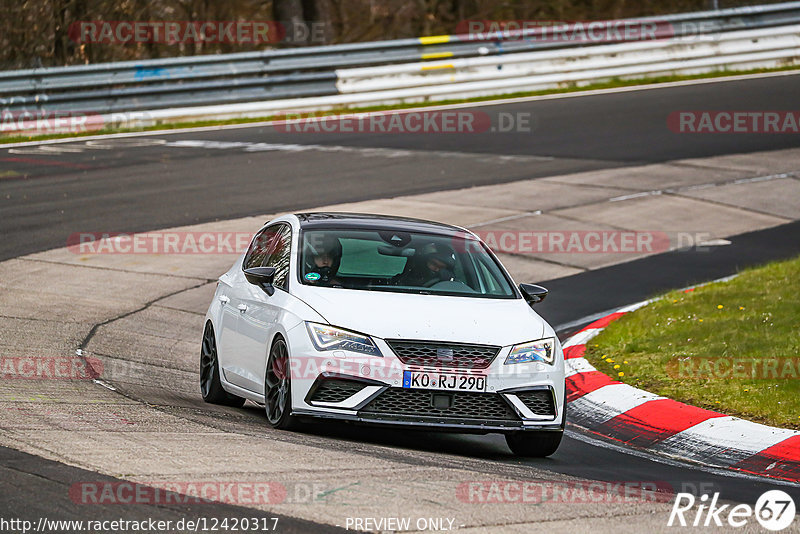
[279,255]
[258,249]
[271,247]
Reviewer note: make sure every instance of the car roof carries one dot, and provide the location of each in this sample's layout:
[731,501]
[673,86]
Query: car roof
[322,220]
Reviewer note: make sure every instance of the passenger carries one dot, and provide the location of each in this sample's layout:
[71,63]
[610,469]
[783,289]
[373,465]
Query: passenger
[433,264]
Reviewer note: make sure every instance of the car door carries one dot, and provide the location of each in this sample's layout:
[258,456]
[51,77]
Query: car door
[232,298]
[260,313]
[228,318]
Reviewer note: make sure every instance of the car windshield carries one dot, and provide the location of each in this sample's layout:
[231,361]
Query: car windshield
[401,262]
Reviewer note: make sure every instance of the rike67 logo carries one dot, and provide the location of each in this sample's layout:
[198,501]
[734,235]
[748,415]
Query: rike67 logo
[774,511]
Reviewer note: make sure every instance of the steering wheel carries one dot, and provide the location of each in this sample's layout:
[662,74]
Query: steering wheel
[434,281]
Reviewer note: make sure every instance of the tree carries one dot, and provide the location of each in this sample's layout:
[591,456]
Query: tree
[306,22]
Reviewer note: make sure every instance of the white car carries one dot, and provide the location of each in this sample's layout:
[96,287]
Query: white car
[384,320]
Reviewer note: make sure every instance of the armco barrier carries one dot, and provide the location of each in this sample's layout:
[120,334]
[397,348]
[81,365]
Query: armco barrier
[539,69]
[408,70]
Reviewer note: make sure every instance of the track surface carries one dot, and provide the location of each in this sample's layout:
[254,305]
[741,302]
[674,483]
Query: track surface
[148,187]
[585,294]
[24,475]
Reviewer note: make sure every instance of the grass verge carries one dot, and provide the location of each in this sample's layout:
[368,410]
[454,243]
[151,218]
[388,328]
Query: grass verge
[732,347]
[571,88]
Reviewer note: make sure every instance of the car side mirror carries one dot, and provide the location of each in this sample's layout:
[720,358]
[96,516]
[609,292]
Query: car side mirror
[533,294]
[261,277]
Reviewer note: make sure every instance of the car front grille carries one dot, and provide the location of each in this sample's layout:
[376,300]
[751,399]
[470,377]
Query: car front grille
[539,401]
[462,405]
[452,355]
[335,390]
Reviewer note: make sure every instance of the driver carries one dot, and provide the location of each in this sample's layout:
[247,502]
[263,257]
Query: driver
[434,264]
[322,261]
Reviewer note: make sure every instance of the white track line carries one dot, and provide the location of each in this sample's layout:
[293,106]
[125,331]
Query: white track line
[609,401]
[582,337]
[718,437]
[576,366]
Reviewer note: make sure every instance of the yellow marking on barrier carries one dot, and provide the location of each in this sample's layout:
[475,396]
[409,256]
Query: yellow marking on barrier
[434,39]
[437,55]
[437,67]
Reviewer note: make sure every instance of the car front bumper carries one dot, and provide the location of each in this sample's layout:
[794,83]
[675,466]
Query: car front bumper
[432,423]
[498,409]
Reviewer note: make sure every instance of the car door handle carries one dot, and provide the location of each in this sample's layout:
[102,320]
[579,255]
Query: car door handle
[242,307]
[223,299]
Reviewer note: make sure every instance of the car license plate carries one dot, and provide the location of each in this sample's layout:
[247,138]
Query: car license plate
[443,381]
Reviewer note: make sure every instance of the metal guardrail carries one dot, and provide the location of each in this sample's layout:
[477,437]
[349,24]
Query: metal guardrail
[328,71]
[466,78]
[532,70]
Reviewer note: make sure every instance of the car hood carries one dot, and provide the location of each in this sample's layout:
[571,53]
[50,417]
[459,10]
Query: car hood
[427,317]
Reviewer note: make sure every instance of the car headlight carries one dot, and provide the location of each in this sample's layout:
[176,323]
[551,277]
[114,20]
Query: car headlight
[330,338]
[543,350]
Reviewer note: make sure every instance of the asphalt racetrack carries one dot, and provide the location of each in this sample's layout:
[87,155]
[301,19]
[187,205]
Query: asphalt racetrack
[121,185]
[131,185]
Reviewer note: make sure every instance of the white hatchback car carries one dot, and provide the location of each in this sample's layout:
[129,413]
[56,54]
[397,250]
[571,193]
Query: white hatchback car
[384,320]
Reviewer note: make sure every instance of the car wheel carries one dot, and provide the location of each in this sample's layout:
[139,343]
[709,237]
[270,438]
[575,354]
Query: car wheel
[210,386]
[278,387]
[534,444]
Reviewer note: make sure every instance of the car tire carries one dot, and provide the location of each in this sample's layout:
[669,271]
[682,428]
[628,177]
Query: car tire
[210,385]
[278,387]
[534,444]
